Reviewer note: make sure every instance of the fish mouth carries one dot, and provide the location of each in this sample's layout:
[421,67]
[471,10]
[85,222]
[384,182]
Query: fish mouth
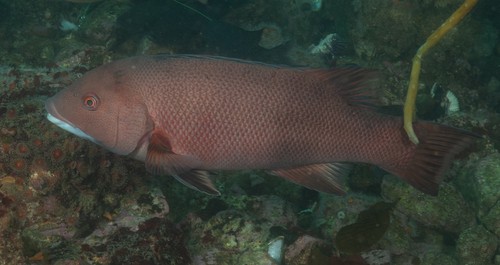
[57,119]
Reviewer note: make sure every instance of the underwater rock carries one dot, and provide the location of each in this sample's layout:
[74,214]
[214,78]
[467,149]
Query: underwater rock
[293,18]
[438,258]
[134,211]
[275,210]
[157,241]
[229,236]
[478,181]
[99,24]
[308,250]
[349,260]
[492,220]
[447,211]
[398,238]
[375,20]
[275,249]
[476,246]
[243,231]
[377,257]
[487,39]
[271,37]
[42,237]
[79,55]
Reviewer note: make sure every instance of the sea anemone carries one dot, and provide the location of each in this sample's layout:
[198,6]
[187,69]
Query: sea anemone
[22,150]
[19,166]
[37,142]
[5,148]
[57,155]
[119,178]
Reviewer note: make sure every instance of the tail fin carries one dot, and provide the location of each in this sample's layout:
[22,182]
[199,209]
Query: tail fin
[433,155]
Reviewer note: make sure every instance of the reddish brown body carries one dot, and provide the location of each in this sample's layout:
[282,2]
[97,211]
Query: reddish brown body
[234,115]
[215,113]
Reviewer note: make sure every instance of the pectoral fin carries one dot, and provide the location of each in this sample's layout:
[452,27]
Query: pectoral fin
[161,160]
[327,178]
[198,180]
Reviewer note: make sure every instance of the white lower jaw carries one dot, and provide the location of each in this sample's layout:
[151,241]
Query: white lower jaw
[68,127]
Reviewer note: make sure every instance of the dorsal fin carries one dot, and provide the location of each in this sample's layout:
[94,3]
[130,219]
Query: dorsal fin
[358,86]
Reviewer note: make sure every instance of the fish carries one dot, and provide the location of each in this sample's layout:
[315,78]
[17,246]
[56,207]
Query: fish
[190,115]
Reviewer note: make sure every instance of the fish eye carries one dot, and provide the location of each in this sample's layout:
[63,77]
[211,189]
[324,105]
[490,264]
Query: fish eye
[90,102]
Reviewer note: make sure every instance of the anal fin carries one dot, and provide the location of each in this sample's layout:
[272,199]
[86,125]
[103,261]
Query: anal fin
[328,178]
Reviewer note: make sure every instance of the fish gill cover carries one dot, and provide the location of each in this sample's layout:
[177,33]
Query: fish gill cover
[66,200]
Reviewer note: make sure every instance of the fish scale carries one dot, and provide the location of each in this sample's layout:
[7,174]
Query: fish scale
[190,114]
[278,120]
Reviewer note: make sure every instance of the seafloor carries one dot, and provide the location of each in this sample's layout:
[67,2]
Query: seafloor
[64,200]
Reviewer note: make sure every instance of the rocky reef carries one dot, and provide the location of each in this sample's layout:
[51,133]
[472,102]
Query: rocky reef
[64,200]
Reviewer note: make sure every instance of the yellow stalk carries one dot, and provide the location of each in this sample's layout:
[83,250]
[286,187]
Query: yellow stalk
[435,37]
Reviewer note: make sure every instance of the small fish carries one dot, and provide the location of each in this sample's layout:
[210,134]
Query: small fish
[186,115]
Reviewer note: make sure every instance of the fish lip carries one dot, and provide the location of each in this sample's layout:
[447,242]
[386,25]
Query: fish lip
[57,119]
[51,110]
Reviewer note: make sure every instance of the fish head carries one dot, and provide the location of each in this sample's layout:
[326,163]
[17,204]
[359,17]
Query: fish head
[100,107]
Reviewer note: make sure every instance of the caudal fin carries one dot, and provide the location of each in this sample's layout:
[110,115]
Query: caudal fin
[438,146]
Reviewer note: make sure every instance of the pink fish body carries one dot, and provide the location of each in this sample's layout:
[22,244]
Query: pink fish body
[186,115]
